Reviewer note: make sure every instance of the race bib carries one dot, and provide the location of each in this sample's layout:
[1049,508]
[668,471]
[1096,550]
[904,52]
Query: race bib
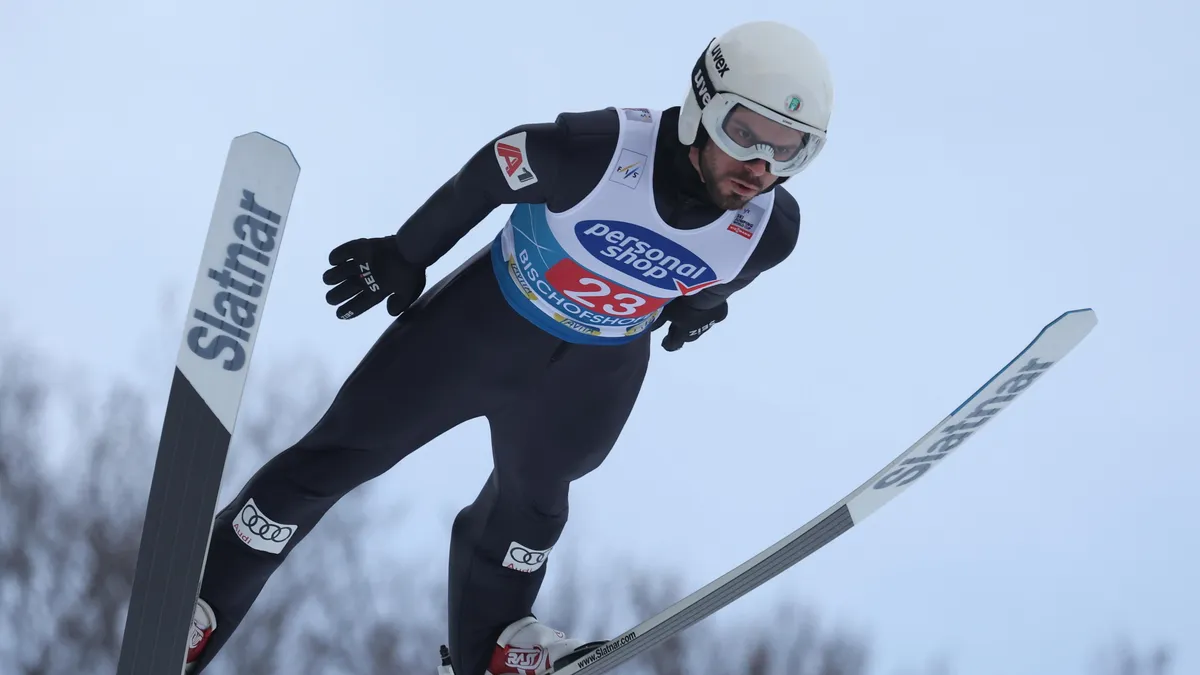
[578,294]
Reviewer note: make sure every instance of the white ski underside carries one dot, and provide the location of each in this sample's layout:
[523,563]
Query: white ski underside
[1053,343]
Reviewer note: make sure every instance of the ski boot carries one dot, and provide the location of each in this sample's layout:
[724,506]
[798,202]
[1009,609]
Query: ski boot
[528,647]
[203,623]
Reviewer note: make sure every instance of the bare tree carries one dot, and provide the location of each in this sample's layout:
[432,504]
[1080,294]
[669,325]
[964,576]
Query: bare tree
[69,532]
[1122,658]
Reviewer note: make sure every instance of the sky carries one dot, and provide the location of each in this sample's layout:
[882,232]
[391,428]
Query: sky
[989,166]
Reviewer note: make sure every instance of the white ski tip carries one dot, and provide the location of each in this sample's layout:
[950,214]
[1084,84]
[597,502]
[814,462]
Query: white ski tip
[236,267]
[258,137]
[1050,345]
[1072,326]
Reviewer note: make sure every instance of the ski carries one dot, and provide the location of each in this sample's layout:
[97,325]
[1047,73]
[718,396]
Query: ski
[226,310]
[1047,348]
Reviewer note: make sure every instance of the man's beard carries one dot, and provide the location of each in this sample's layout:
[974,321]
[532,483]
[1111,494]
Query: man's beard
[730,201]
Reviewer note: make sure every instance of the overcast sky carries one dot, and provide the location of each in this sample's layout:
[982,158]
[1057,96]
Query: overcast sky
[989,166]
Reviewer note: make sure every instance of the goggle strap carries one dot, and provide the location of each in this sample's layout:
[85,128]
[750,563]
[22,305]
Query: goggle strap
[703,87]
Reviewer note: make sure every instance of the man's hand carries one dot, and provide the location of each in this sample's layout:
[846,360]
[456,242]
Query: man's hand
[688,323]
[365,271]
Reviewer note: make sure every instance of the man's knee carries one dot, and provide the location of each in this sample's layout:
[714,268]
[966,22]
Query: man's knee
[510,515]
[540,498]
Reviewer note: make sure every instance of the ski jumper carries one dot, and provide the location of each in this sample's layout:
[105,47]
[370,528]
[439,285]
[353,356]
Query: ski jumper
[544,332]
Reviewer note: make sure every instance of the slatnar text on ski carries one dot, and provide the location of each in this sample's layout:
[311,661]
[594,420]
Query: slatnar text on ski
[240,282]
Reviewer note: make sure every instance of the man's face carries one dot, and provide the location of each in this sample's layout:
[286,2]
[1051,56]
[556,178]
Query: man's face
[731,183]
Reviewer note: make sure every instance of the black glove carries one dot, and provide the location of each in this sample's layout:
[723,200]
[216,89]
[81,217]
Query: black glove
[688,323]
[365,271]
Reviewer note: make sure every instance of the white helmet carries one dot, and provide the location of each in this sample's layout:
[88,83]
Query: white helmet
[760,70]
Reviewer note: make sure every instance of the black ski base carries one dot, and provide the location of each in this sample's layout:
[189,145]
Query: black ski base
[179,511]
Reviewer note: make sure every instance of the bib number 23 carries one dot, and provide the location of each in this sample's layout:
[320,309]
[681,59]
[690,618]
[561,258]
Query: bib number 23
[599,295]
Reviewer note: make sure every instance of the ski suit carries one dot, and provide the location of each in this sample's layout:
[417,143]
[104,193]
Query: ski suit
[545,332]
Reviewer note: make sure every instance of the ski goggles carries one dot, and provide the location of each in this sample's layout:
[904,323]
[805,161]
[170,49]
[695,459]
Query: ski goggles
[746,131]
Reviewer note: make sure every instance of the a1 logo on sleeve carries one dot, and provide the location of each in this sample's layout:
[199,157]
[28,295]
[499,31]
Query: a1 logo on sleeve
[514,161]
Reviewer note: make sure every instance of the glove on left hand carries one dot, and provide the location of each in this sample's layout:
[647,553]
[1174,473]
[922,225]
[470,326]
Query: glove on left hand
[688,323]
[365,271]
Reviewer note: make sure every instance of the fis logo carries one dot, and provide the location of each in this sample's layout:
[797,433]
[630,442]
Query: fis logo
[645,254]
[628,171]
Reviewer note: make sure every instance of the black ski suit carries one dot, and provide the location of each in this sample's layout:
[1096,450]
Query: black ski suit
[461,352]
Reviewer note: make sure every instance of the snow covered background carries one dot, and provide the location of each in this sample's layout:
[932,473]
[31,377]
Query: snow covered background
[989,166]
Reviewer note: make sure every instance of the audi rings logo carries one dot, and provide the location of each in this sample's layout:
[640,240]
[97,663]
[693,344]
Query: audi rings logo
[524,559]
[260,532]
[524,555]
[255,522]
